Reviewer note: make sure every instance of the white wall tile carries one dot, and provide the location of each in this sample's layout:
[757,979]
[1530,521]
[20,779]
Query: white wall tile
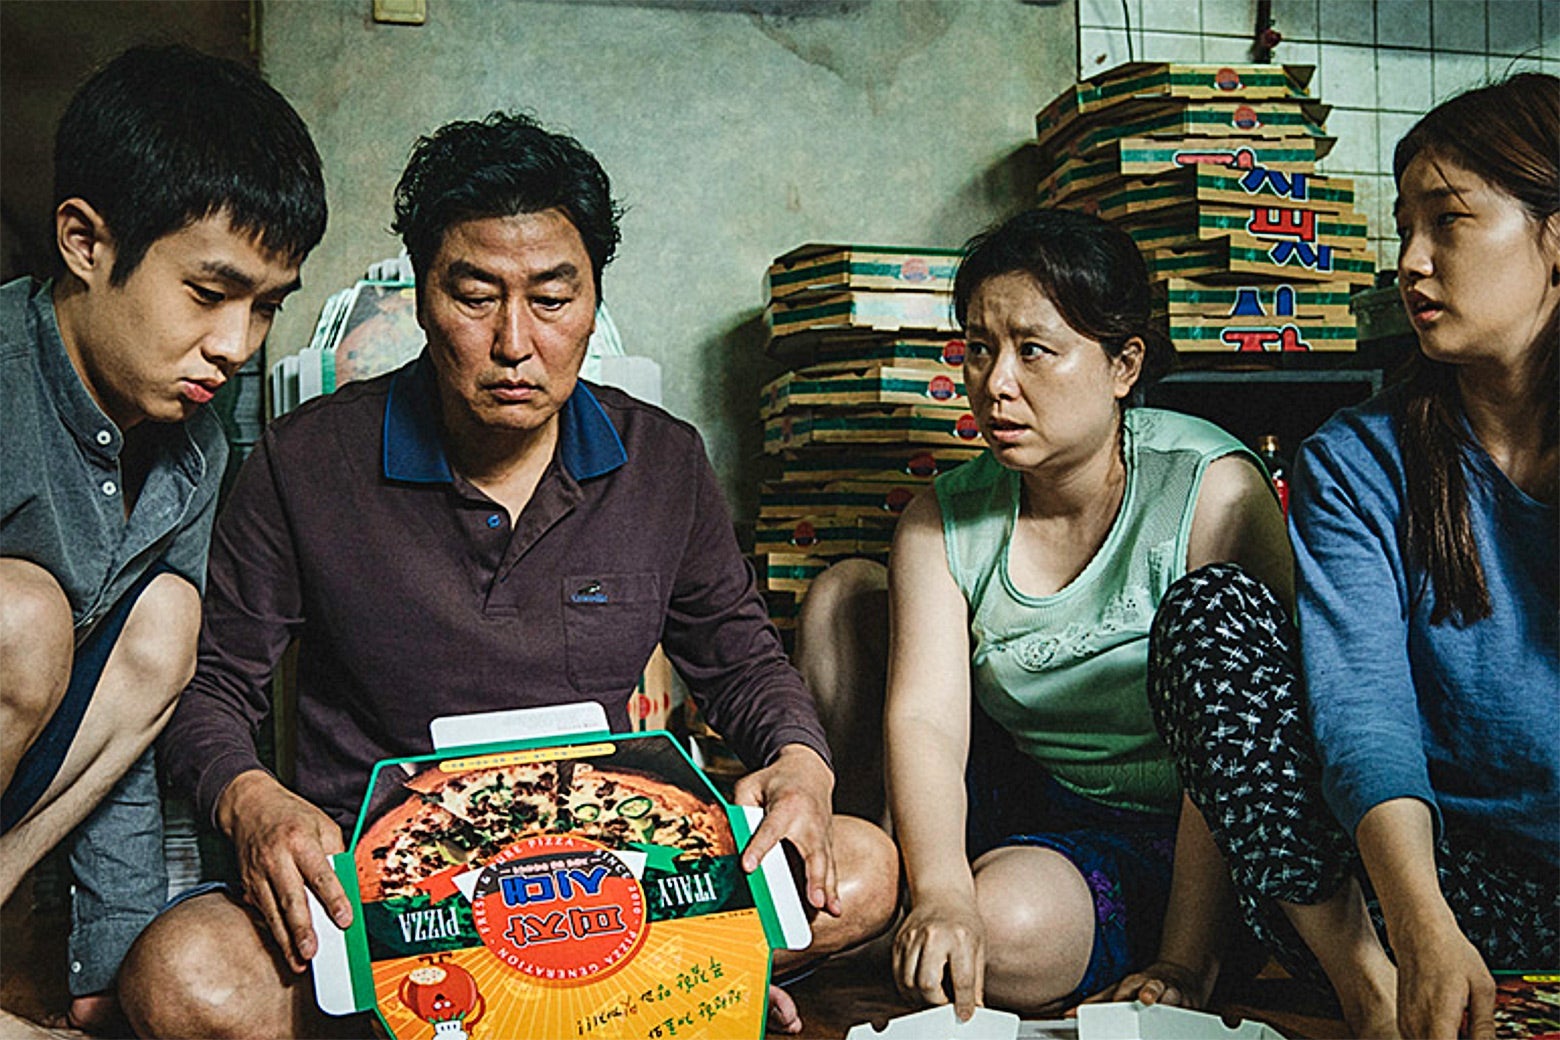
[1403,23]
[1457,25]
[1365,192]
[1549,23]
[1230,18]
[1403,80]
[1183,47]
[1552,66]
[1172,16]
[1392,127]
[1291,53]
[1348,76]
[1107,14]
[1348,21]
[1500,66]
[1233,50]
[1355,151]
[1100,49]
[1513,26]
[1455,73]
[1296,19]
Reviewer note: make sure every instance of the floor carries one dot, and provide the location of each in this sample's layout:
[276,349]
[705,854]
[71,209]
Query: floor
[842,993]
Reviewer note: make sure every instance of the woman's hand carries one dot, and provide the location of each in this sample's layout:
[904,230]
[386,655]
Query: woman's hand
[938,941]
[1441,979]
[1162,982]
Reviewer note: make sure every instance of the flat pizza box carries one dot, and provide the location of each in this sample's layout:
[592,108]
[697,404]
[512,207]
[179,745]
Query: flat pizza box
[1185,297]
[821,347]
[1224,261]
[1244,335]
[1256,188]
[1178,118]
[1198,82]
[827,268]
[869,385]
[943,427]
[862,310]
[578,883]
[884,466]
[788,572]
[1069,173]
[839,498]
[824,536]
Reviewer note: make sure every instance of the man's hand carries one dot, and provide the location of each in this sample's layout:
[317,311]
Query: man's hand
[1441,977]
[282,843]
[796,793]
[938,941]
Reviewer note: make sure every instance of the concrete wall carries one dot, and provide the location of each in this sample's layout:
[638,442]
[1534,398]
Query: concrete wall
[733,131]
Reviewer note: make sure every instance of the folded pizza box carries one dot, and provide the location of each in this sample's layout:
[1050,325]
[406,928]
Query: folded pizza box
[871,385]
[1179,118]
[886,465]
[575,884]
[826,268]
[876,311]
[839,498]
[824,536]
[1067,173]
[1163,79]
[1225,261]
[813,349]
[912,425]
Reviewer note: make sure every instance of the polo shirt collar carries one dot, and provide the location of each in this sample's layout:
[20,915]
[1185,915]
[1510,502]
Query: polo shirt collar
[74,402]
[588,443]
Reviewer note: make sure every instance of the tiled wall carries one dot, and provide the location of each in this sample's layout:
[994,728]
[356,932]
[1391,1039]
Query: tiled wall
[1380,63]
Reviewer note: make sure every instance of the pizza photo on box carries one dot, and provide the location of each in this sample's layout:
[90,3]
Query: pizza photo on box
[580,890]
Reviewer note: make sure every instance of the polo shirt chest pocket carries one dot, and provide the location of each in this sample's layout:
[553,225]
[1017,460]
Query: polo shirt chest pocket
[611,623]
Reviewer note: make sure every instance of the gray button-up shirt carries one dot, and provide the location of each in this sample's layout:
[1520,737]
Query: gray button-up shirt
[61,487]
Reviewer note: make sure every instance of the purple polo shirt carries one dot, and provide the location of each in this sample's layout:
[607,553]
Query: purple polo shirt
[412,596]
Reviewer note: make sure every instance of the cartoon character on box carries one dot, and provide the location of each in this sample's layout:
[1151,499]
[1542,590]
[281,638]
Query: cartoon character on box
[446,996]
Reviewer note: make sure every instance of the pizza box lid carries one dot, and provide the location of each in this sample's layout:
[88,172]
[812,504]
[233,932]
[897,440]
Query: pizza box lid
[827,267]
[557,933]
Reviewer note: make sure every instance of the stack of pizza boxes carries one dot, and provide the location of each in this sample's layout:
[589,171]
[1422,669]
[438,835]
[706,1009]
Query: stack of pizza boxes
[575,884]
[1212,170]
[871,408]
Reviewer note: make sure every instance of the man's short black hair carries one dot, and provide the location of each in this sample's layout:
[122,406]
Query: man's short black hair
[164,136]
[504,165]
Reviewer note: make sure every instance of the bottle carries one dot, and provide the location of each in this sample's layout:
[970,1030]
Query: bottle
[1278,469]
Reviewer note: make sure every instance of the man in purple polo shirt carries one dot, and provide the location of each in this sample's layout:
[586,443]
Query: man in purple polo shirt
[478,530]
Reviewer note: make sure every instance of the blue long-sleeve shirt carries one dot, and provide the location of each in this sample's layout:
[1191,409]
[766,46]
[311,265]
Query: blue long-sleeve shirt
[1465,718]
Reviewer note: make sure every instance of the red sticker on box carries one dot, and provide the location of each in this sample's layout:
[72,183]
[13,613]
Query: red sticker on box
[559,909]
[914,269]
[1227,79]
[953,352]
[923,465]
[940,388]
[966,428]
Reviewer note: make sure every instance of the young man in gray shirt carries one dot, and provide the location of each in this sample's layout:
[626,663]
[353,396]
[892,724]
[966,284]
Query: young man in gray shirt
[187,194]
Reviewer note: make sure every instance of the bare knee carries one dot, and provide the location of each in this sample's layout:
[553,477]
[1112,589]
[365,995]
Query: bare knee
[849,598]
[1038,915]
[866,863]
[204,969]
[37,641]
[155,654]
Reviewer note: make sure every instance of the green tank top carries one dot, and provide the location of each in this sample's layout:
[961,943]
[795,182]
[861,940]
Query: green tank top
[1066,674]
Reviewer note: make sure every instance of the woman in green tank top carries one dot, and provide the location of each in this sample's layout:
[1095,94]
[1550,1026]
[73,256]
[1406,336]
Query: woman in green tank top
[1037,829]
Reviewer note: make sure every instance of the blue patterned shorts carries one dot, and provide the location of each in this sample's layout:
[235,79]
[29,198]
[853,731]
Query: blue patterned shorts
[1124,856]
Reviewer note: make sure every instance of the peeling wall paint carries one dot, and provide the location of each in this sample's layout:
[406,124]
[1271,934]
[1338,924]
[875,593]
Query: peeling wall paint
[732,132]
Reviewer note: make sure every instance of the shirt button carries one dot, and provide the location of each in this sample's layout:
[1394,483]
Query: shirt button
[495,520]
[109,487]
[75,967]
[103,437]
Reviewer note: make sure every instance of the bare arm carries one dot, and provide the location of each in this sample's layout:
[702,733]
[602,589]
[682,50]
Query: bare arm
[926,727]
[1441,975]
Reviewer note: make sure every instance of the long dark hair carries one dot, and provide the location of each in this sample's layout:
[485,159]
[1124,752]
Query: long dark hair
[1507,133]
[1090,269]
